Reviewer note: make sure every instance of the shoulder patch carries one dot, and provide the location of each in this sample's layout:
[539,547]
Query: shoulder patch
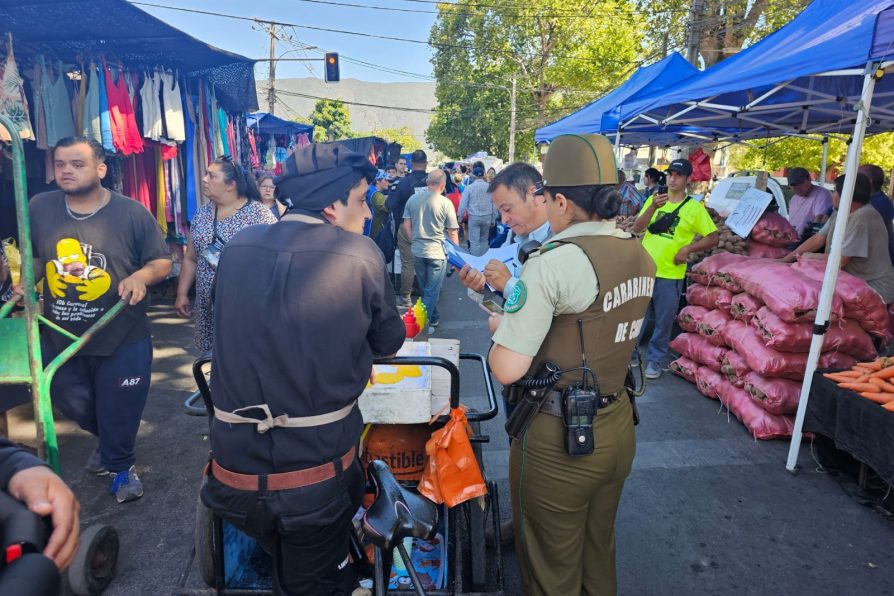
[517,298]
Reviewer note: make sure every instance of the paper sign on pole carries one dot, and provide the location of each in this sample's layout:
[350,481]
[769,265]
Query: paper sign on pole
[748,210]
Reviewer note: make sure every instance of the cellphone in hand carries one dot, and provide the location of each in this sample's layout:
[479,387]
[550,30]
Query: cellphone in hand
[661,189]
[491,307]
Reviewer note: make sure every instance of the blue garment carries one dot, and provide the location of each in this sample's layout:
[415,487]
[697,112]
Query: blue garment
[369,195]
[192,201]
[105,122]
[105,395]
[663,308]
[885,207]
[430,274]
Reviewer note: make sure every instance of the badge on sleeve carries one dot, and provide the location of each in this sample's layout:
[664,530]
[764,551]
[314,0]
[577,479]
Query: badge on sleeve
[516,298]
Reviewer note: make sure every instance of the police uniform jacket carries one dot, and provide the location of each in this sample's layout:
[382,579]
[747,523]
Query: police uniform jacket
[301,307]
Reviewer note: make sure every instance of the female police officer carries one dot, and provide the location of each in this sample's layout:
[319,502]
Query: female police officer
[579,303]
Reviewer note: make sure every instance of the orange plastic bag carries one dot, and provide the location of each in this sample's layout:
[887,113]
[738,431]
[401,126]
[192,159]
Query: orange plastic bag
[451,473]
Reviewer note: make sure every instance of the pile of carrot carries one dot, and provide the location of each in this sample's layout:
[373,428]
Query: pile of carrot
[872,380]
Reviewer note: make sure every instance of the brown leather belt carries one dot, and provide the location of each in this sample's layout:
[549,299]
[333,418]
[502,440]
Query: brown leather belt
[283,480]
[553,403]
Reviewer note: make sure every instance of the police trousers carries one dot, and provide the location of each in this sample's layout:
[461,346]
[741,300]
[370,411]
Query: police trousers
[306,530]
[563,507]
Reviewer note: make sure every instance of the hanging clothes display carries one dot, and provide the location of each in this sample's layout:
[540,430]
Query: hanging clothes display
[161,204]
[56,105]
[90,122]
[13,104]
[173,107]
[105,116]
[125,133]
[222,131]
[149,100]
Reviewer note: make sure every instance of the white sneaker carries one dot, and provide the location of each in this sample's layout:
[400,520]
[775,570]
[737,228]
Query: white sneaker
[653,371]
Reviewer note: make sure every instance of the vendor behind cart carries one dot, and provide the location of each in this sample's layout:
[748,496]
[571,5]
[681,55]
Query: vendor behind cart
[300,310]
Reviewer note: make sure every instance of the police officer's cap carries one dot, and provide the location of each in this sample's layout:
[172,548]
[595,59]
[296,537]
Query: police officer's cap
[579,160]
[319,174]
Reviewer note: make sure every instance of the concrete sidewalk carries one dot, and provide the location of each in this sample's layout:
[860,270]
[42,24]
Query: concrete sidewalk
[707,510]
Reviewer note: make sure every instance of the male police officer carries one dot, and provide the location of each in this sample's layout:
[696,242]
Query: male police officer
[300,310]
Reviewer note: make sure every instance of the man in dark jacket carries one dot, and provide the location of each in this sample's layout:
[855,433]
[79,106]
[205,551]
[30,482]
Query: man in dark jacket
[397,204]
[301,308]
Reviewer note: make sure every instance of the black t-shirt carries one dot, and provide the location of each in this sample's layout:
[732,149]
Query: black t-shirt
[300,308]
[406,188]
[83,261]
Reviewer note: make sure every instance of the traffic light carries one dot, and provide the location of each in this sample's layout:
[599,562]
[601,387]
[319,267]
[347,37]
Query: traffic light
[332,74]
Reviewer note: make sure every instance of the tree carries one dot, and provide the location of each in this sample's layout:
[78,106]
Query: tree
[403,136]
[562,53]
[791,152]
[331,121]
[723,27]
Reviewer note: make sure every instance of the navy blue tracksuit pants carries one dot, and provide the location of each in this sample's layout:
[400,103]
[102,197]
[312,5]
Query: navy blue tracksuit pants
[106,395]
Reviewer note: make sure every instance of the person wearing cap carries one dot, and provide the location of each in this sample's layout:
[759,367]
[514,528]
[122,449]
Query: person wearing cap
[809,203]
[377,196]
[301,308]
[476,205]
[670,247]
[588,286]
[410,184]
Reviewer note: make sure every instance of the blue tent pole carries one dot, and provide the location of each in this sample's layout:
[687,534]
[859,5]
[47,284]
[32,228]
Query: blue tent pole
[833,263]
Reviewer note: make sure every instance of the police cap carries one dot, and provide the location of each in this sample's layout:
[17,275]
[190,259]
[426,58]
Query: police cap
[579,160]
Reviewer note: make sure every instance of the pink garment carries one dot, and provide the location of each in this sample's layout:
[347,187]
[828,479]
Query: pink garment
[126,135]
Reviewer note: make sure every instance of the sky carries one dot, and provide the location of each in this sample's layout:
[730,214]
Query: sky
[250,40]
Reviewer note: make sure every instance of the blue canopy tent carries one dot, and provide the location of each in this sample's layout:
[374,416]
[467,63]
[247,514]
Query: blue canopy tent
[595,117]
[269,124]
[823,73]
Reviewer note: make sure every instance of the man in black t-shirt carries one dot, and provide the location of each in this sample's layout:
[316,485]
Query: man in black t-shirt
[397,204]
[96,247]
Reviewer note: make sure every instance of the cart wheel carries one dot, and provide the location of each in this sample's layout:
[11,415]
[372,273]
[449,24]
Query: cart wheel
[204,543]
[477,521]
[93,567]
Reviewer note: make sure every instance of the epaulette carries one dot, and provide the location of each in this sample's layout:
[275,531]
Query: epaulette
[550,246]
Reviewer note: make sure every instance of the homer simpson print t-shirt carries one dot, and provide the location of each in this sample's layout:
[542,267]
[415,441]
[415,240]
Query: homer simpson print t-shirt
[82,262]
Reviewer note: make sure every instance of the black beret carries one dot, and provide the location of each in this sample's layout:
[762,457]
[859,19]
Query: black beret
[317,175]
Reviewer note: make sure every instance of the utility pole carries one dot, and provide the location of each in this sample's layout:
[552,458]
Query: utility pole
[695,29]
[271,78]
[512,121]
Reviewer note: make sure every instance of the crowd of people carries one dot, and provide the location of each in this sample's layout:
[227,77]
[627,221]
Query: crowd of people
[278,264]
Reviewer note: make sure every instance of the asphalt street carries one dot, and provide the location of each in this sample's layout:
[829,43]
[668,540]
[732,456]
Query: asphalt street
[707,509]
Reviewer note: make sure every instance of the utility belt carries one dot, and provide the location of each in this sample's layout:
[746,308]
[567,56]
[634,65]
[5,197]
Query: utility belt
[576,405]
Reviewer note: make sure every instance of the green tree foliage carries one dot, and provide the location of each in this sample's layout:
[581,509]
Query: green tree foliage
[563,53]
[403,136]
[331,121]
[790,152]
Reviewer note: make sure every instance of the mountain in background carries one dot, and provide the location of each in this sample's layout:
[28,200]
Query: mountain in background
[420,96]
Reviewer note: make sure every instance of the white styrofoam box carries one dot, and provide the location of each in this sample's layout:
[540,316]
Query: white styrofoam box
[408,401]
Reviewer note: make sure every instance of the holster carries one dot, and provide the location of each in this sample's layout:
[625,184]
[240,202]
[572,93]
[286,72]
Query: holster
[512,393]
[527,406]
[630,386]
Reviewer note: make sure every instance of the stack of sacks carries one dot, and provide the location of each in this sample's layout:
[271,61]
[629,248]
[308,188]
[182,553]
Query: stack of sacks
[771,236]
[756,317]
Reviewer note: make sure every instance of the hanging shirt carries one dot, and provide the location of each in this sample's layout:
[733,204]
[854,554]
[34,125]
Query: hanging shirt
[56,106]
[152,126]
[173,107]
[13,104]
[90,121]
[125,133]
[105,117]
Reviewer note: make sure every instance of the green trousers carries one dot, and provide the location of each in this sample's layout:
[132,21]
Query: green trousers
[563,508]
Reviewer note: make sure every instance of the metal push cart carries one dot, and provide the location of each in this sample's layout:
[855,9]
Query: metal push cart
[231,563]
[21,363]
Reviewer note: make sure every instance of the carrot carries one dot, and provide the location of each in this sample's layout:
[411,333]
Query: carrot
[884,386]
[838,377]
[885,373]
[860,387]
[864,378]
[862,370]
[873,366]
[889,406]
[879,398]
[853,374]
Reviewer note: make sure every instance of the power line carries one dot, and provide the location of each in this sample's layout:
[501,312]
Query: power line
[518,10]
[555,11]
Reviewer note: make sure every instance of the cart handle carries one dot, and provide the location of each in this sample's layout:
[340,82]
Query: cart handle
[79,342]
[493,408]
[451,369]
[202,383]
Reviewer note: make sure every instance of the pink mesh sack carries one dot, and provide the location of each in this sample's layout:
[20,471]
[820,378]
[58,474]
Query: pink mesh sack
[712,270]
[720,297]
[774,230]
[761,359]
[764,251]
[744,307]
[843,335]
[777,396]
[761,424]
[708,382]
[734,368]
[699,349]
[792,296]
[685,368]
[861,303]
[690,316]
[697,295]
[711,326]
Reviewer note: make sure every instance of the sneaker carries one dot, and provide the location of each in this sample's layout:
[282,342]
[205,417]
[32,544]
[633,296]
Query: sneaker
[435,323]
[94,464]
[404,302]
[653,371]
[126,486]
